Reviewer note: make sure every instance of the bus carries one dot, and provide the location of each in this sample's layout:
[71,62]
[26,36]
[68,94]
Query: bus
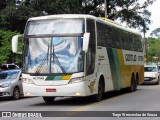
[79,55]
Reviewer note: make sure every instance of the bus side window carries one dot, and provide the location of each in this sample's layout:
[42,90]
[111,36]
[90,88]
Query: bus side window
[90,58]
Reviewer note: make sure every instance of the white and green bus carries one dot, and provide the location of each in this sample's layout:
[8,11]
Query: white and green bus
[79,55]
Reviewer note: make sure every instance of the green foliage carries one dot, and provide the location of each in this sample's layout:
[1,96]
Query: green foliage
[57,6]
[156,32]
[153,49]
[129,11]
[6,54]
[5,3]
[14,17]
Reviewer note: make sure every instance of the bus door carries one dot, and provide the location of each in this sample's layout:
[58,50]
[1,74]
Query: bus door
[90,59]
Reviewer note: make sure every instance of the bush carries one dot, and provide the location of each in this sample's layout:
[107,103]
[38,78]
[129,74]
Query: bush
[6,55]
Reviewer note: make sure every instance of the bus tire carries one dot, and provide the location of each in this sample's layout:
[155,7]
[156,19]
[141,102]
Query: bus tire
[98,97]
[49,99]
[133,86]
[136,83]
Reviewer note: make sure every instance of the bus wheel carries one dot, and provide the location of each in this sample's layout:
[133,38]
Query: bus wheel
[133,86]
[98,97]
[49,99]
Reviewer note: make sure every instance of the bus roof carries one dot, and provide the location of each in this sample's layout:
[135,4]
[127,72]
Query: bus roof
[99,19]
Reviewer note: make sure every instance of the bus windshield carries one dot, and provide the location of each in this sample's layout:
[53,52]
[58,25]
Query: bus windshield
[53,55]
[53,46]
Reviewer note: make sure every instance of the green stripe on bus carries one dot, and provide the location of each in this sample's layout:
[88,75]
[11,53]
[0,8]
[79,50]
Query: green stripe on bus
[118,67]
[50,78]
[113,68]
[58,78]
[53,78]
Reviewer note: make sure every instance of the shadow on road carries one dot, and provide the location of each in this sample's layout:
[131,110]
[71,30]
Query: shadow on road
[10,99]
[148,84]
[77,101]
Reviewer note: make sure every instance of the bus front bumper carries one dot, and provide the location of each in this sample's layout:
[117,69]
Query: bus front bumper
[74,89]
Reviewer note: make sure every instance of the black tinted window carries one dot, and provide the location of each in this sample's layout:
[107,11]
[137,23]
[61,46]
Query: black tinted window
[109,36]
[90,56]
[11,67]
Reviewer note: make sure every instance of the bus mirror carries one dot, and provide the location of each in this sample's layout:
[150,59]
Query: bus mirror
[15,43]
[86,41]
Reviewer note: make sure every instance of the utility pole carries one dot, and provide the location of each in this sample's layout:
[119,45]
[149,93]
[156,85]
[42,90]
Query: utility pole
[105,2]
[145,42]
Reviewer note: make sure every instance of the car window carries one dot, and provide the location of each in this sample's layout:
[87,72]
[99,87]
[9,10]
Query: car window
[4,67]
[12,75]
[3,75]
[9,75]
[11,67]
[150,69]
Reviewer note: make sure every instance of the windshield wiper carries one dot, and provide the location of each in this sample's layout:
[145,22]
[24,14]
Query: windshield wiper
[39,68]
[56,58]
[47,54]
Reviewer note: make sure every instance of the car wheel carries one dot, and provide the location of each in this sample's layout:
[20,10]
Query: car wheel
[49,99]
[16,94]
[158,81]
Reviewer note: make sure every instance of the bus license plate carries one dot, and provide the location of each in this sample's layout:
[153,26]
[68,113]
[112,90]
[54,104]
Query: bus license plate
[50,90]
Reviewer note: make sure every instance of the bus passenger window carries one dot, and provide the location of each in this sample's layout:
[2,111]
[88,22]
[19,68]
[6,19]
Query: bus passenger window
[90,58]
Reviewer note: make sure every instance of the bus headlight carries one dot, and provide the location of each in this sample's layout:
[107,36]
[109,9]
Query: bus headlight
[28,81]
[76,80]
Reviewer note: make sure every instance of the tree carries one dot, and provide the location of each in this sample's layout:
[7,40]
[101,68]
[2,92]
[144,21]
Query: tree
[2,4]
[6,54]
[129,11]
[5,3]
[156,32]
[153,49]
[57,6]
[132,12]
[14,19]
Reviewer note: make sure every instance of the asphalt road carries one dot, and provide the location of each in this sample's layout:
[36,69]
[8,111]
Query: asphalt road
[146,98]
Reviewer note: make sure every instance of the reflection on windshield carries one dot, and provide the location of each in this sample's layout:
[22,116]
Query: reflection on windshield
[150,69]
[9,75]
[54,55]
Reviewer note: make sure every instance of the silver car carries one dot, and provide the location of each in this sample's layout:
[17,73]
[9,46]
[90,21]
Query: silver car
[10,84]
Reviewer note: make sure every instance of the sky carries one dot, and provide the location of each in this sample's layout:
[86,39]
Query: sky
[155,16]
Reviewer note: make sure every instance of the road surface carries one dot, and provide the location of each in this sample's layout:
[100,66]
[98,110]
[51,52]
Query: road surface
[146,98]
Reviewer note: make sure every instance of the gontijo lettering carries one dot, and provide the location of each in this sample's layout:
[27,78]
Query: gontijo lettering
[131,57]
